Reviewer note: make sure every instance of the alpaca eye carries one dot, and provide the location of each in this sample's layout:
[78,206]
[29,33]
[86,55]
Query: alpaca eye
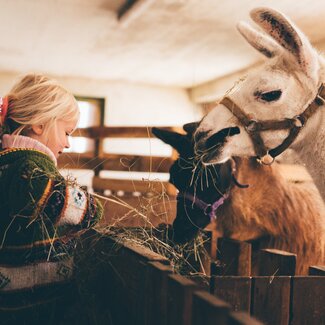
[271,96]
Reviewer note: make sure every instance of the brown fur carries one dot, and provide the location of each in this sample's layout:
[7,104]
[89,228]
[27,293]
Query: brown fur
[291,215]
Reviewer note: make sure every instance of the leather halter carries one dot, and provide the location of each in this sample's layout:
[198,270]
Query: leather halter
[254,127]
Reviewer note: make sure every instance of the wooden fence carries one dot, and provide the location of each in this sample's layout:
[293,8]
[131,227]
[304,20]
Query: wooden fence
[273,294]
[154,198]
[138,286]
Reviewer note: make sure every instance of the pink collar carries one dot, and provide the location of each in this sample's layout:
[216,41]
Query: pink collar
[20,141]
[209,209]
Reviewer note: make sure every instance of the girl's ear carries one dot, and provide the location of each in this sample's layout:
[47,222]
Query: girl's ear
[38,129]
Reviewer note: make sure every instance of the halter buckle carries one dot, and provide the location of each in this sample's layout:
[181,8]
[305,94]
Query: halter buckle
[298,122]
[266,160]
[252,126]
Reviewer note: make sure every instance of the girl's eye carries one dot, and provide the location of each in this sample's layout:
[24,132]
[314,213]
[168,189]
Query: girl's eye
[270,96]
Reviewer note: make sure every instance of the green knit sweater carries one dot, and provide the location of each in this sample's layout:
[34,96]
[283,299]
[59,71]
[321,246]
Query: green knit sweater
[40,211]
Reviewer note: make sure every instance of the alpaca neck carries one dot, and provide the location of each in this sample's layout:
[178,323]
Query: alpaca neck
[311,149]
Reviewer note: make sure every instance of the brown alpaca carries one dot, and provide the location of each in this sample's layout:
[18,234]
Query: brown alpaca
[291,216]
[282,214]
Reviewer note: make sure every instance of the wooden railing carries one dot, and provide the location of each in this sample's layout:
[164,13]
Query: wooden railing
[274,294]
[140,287]
[157,210]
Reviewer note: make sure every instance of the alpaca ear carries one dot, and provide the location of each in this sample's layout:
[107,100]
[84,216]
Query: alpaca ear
[178,141]
[259,40]
[190,128]
[283,31]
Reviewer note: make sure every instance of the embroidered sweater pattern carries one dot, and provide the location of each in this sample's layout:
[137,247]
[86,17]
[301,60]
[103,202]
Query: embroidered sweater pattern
[40,211]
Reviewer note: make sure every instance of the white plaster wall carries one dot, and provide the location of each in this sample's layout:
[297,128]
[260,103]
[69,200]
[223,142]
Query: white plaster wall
[129,104]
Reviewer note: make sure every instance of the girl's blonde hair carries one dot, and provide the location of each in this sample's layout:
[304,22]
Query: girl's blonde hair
[38,100]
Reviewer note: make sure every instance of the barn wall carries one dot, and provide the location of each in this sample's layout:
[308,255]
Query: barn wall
[129,104]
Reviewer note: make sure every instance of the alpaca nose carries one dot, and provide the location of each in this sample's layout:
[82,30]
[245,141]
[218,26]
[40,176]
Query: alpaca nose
[220,137]
[198,136]
[199,141]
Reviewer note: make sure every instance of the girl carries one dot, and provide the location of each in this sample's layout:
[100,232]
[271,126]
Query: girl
[41,212]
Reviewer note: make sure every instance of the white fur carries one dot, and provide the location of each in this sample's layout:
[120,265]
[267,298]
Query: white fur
[297,70]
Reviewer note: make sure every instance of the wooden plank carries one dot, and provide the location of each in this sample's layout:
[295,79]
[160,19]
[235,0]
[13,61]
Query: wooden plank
[208,310]
[179,302]
[117,132]
[136,163]
[271,299]
[317,270]
[308,300]
[143,186]
[125,280]
[201,280]
[234,256]
[242,318]
[142,211]
[85,160]
[107,161]
[155,304]
[276,262]
[235,290]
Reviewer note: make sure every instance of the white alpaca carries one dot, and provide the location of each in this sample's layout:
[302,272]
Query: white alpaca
[281,89]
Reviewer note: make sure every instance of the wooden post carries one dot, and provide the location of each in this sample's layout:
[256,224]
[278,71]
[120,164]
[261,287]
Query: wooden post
[308,300]
[202,281]
[235,256]
[156,293]
[241,318]
[179,301]
[317,270]
[209,310]
[234,290]
[126,279]
[275,262]
[271,299]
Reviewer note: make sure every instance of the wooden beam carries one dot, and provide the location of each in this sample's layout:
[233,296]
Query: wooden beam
[271,299]
[275,262]
[144,186]
[209,310]
[119,132]
[235,290]
[156,297]
[308,300]
[234,256]
[317,270]
[115,162]
[179,301]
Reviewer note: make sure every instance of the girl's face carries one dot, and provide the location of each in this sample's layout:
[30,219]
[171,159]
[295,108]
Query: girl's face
[56,138]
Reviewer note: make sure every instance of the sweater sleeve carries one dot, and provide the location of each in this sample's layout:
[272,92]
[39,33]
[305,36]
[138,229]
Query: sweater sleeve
[45,193]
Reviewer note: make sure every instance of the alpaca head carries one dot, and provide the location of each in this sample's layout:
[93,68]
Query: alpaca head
[191,178]
[280,89]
